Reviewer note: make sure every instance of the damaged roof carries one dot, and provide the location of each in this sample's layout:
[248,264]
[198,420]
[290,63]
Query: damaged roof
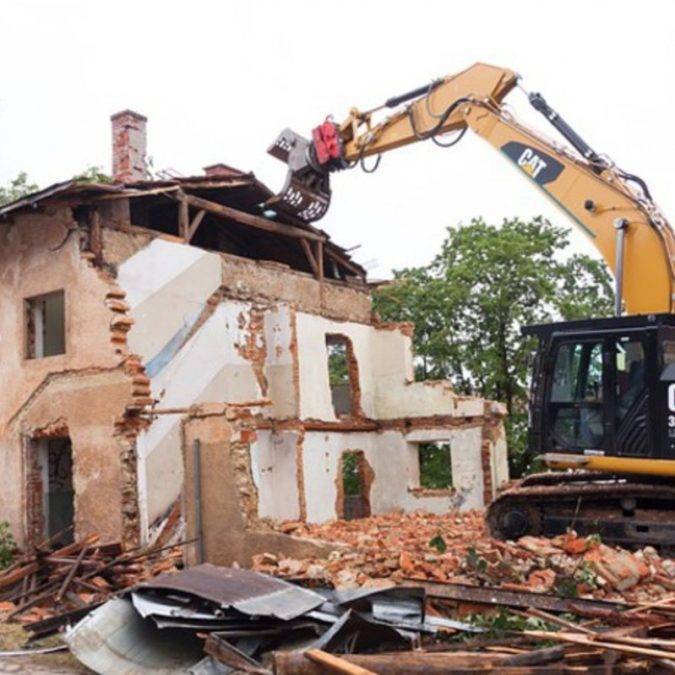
[235,198]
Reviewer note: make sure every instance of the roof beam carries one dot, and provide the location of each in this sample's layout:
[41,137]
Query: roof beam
[252,220]
[310,257]
[196,221]
[341,260]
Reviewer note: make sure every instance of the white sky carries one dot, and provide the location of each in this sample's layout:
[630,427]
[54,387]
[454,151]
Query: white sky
[219,80]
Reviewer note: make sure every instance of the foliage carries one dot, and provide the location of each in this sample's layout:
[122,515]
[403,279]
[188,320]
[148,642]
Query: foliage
[7,545]
[338,372]
[435,467]
[470,303]
[351,474]
[22,185]
[93,174]
[438,543]
[475,562]
[17,188]
[503,622]
[586,575]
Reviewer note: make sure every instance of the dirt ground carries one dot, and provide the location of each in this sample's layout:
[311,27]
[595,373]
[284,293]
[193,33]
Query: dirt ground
[13,638]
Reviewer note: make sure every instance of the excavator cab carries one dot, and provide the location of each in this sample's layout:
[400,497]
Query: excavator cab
[602,398]
[601,388]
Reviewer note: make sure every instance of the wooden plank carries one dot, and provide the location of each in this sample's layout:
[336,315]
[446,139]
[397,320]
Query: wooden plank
[310,257]
[17,575]
[196,222]
[252,220]
[523,599]
[419,663]
[183,216]
[69,577]
[335,664]
[319,260]
[341,260]
[580,639]
[229,655]
[96,236]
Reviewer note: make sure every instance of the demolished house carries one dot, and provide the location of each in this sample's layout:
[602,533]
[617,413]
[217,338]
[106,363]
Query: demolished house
[172,351]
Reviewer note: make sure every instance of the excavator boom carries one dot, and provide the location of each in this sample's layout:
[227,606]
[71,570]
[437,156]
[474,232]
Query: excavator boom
[613,208]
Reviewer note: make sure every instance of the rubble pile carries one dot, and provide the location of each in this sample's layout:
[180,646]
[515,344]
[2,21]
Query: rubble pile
[234,620]
[456,548]
[51,587]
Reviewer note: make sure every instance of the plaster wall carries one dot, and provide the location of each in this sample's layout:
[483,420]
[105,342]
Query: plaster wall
[275,474]
[40,254]
[228,537]
[393,458]
[386,381]
[198,345]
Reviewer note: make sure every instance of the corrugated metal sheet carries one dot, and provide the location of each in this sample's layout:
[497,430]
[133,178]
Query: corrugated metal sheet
[246,591]
[115,640]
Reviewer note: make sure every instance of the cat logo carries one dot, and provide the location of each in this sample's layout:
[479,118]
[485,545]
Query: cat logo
[540,167]
[531,163]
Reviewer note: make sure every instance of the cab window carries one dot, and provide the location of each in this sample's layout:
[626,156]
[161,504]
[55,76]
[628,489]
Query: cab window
[630,363]
[576,409]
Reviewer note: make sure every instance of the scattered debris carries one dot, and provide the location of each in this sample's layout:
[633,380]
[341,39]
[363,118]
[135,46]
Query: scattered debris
[456,548]
[53,587]
[242,615]
[406,593]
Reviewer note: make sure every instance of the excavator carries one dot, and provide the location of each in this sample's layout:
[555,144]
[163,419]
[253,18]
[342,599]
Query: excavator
[602,398]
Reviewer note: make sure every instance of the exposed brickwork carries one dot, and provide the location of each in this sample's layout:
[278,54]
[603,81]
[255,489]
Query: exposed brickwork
[129,147]
[492,429]
[300,473]
[254,348]
[35,521]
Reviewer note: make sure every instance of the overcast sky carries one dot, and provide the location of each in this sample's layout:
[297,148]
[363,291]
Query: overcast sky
[219,80]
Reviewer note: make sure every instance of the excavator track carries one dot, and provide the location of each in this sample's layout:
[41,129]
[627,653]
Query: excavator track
[631,511]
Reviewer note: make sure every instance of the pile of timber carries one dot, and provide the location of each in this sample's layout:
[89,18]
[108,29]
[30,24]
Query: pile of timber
[51,587]
[644,642]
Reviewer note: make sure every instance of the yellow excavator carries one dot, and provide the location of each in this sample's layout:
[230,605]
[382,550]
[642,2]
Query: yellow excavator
[602,401]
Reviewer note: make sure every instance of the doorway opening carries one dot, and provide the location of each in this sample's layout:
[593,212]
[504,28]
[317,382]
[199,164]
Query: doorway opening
[55,466]
[356,478]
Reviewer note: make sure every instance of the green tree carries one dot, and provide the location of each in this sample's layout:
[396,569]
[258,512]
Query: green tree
[470,303]
[17,188]
[93,174]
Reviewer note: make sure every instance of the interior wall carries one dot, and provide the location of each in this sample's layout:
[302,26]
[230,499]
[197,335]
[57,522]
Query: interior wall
[274,468]
[393,457]
[229,537]
[387,388]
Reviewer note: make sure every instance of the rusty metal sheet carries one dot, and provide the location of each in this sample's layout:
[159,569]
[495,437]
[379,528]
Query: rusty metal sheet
[525,599]
[246,591]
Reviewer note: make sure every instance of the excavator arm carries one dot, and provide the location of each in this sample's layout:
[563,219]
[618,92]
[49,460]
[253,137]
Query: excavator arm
[612,207]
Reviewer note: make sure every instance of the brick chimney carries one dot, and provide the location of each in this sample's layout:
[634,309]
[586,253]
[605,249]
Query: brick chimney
[221,169]
[129,147]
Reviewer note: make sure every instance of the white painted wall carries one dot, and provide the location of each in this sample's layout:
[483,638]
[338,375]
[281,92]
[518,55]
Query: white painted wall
[167,284]
[274,470]
[385,375]
[315,398]
[394,460]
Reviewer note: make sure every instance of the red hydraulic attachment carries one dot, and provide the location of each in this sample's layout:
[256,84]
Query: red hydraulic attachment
[327,143]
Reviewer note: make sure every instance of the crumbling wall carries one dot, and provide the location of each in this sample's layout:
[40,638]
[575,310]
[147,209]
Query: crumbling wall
[84,392]
[232,531]
[211,327]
